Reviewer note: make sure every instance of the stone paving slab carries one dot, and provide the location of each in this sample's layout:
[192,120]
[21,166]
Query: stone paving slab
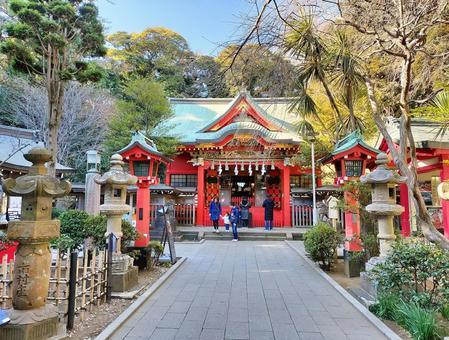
[246,290]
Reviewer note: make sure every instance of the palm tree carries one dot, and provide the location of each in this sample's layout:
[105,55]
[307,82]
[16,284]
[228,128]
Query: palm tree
[304,43]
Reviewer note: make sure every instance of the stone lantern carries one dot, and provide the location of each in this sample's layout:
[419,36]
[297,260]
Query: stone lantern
[383,182]
[115,183]
[92,191]
[31,317]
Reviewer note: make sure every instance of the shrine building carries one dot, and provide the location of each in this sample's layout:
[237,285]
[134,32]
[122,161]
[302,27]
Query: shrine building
[238,148]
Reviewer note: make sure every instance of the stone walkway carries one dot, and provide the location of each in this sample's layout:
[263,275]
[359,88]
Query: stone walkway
[246,290]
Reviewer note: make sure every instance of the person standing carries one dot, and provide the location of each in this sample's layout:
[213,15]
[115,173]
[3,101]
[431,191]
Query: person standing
[268,204]
[226,221]
[235,215]
[244,212]
[215,212]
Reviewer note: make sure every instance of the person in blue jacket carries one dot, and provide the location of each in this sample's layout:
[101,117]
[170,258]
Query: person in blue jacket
[215,212]
[235,215]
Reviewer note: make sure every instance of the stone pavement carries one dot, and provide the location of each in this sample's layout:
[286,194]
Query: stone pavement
[246,290]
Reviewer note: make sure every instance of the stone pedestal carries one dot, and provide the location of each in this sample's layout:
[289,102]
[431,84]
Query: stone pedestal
[31,317]
[124,274]
[366,283]
[34,324]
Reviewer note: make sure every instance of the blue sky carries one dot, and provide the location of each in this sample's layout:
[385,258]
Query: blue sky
[204,23]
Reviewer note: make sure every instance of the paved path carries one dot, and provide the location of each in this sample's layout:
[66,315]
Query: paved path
[246,290]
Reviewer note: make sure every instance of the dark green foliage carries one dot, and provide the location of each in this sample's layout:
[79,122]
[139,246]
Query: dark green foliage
[77,225]
[151,253]
[417,271]
[385,306]
[444,310]
[421,323]
[73,226]
[321,243]
[70,30]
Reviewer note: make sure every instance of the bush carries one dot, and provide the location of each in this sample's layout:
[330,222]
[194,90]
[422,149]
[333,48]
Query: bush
[129,234]
[444,310]
[417,271]
[73,226]
[385,306]
[321,243]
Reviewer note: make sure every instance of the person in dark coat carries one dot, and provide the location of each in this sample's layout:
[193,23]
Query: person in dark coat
[215,212]
[234,218]
[268,204]
[244,212]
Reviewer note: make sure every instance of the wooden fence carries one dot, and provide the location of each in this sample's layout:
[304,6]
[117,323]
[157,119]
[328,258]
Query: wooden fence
[185,214]
[302,216]
[90,280]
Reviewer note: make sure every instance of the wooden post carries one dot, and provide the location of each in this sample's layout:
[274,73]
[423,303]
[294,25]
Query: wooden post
[201,196]
[445,203]
[286,209]
[405,217]
[72,289]
[109,269]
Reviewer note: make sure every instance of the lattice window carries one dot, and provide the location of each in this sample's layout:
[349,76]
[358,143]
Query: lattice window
[353,168]
[179,181]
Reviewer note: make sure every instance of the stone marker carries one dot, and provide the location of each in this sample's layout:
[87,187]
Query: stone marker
[31,317]
[92,189]
[116,181]
[383,182]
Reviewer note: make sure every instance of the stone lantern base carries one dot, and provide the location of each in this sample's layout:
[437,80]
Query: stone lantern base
[124,274]
[35,324]
[366,283]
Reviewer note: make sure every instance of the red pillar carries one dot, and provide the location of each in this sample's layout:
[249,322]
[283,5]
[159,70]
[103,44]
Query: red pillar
[445,203]
[405,217]
[200,196]
[286,209]
[143,213]
[352,222]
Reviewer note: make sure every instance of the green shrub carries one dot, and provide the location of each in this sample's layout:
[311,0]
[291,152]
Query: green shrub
[385,306]
[444,310]
[129,234]
[73,226]
[417,271]
[421,323]
[96,227]
[321,243]
[151,254]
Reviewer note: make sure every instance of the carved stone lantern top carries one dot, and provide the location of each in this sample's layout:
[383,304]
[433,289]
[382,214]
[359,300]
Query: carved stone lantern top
[37,188]
[382,174]
[383,181]
[116,175]
[115,183]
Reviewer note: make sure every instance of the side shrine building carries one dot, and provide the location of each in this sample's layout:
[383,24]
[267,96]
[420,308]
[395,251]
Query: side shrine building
[234,149]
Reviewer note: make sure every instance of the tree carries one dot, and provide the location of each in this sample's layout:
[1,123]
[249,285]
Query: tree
[144,107]
[204,78]
[86,111]
[157,52]
[393,35]
[400,30]
[50,39]
[261,71]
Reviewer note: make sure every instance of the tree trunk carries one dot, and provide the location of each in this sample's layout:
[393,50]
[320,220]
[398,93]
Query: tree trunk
[55,108]
[423,218]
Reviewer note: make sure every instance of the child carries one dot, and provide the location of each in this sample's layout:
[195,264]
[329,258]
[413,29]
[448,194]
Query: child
[226,221]
[235,214]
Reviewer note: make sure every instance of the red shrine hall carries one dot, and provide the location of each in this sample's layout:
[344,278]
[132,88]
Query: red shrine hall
[235,149]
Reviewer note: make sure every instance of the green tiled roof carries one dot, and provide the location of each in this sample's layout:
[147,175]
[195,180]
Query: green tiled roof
[192,117]
[351,140]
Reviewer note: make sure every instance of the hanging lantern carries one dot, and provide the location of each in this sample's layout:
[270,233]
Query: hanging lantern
[220,169]
[257,166]
[263,171]
[226,166]
[272,165]
[250,170]
[213,165]
[236,169]
[242,168]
